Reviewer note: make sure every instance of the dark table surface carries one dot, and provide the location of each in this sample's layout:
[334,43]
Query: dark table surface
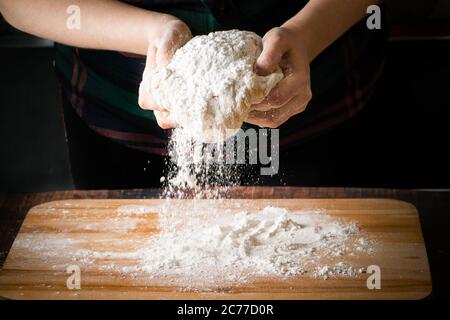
[433,207]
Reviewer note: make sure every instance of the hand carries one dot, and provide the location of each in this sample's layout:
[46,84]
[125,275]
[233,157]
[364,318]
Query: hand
[162,46]
[282,47]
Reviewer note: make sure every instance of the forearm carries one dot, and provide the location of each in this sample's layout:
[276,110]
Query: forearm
[104,24]
[321,22]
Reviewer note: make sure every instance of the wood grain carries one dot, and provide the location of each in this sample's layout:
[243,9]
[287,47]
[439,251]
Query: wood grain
[400,254]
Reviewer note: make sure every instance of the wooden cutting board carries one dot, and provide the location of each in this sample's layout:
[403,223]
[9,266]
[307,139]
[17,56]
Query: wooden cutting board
[96,224]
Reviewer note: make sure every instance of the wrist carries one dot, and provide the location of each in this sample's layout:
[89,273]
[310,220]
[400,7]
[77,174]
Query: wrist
[302,37]
[157,24]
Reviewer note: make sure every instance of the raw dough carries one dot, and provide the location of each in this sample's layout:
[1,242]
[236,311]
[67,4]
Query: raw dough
[210,84]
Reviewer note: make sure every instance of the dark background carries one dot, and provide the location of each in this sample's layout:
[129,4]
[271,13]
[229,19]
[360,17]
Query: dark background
[400,140]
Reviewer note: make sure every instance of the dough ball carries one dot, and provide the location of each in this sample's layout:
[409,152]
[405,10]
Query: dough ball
[210,84]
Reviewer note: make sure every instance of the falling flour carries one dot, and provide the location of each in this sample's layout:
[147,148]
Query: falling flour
[207,90]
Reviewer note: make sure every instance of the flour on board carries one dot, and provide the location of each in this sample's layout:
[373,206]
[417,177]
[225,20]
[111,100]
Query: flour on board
[209,247]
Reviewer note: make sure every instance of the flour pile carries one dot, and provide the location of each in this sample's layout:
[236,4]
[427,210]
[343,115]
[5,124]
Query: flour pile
[215,249]
[208,89]
[203,245]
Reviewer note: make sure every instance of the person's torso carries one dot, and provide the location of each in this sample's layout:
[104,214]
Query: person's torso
[103,85]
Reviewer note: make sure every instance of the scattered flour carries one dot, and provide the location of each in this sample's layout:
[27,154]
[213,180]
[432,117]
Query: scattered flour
[114,225]
[208,247]
[216,249]
[339,269]
[208,88]
[135,209]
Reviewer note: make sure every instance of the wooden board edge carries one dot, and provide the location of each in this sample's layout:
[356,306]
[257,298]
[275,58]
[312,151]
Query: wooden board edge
[406,205]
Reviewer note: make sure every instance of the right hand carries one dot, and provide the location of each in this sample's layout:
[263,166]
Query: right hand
[291,95]
[172,35]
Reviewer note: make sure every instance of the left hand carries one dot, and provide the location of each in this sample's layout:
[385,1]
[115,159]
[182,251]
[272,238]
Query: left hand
[282,47]
[163,43]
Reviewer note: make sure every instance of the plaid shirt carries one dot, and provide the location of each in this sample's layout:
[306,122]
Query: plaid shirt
[102,86]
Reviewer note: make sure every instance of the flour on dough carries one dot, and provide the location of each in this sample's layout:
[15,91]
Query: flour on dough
[210,84]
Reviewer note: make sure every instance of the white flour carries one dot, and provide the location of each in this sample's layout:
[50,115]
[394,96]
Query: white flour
[210,84]
[208,89]
[219,248]
[207,247]
[134,209]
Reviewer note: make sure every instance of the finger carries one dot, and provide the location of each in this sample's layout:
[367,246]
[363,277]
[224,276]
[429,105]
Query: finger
[274,47]
[293,85]
[163,120]
[281,94]
[276,117]
[169,44]
[150,60]
[165,53]
[145,100]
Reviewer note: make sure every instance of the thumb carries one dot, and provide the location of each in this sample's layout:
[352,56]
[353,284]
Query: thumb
[164,54]
[151,56]
[172,40]
[271,55]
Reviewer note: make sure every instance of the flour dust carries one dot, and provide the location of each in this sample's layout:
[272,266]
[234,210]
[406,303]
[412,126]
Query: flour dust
[204,245]
[209,244]
[208,90]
